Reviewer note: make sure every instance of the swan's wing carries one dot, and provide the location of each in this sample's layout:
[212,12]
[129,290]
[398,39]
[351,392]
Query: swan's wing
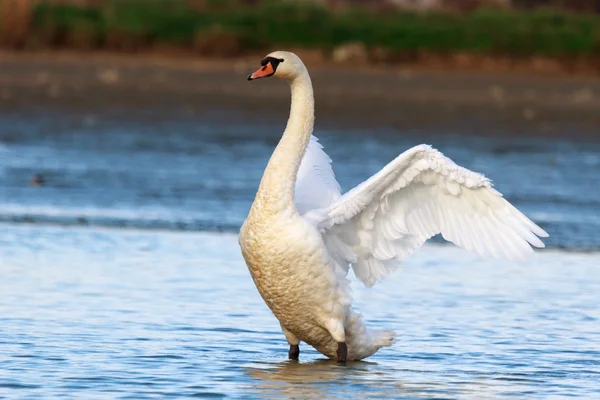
[418,195]
[316,186]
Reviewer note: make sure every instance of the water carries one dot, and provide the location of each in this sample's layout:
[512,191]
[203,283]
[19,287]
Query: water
[184,173]
[121,276]
[109,313]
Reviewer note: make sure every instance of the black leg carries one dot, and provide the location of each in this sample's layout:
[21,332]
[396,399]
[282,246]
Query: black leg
[342,353]
[294,351]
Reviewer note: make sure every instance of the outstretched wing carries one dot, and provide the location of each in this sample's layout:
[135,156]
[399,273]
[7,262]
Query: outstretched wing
[418,195]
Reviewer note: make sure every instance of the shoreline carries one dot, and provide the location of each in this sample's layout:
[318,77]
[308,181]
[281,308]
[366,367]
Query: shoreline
[359,96]
[535,66]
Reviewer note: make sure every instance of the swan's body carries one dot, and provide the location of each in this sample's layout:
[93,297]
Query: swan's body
[301,235]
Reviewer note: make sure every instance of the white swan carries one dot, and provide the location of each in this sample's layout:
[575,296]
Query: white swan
[301,235]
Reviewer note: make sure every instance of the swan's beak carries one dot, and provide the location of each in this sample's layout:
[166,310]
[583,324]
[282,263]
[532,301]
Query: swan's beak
[262,72]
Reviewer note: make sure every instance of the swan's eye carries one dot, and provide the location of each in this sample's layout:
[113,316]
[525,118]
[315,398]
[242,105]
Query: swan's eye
[274,61]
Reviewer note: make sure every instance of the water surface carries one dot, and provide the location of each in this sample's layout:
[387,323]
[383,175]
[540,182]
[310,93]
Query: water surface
[121,277]
[187,173]
[129,314]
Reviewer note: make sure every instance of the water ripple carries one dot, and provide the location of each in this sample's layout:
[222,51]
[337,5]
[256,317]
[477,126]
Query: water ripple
[103,313]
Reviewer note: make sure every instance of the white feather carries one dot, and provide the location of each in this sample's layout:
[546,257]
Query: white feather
[316,186]
[418,195]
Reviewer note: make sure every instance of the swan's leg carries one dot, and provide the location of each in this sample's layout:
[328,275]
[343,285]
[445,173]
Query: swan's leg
[342,353]
[294,352]
[336,329]
[294,342]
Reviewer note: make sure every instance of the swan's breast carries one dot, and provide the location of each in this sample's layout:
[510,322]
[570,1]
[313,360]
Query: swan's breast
[288,262]
[279,244]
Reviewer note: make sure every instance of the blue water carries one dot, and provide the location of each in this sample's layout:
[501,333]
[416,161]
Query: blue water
[130,314]
[120,277]
[184,173]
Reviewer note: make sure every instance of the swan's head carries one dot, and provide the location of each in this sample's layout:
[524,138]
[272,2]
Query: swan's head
[281,64]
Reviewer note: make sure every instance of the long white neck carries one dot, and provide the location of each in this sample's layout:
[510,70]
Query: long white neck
[276,191]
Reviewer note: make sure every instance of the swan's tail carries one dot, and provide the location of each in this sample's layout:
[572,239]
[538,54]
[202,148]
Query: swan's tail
[382,338]
[362,341]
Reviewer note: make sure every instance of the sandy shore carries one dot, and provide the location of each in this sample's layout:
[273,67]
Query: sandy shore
[399,97]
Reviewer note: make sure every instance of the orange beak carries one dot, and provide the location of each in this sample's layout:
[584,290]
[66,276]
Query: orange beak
[262,72]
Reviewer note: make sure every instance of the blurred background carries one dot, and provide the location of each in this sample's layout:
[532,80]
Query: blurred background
[131,147]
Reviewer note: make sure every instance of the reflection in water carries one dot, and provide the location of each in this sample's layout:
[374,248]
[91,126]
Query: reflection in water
[325,379]
[316,380]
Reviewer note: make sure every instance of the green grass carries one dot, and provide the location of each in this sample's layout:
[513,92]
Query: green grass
[273,24]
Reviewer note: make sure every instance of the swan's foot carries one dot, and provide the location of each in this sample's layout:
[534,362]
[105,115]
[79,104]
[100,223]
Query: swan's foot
[294,352]
[342,353]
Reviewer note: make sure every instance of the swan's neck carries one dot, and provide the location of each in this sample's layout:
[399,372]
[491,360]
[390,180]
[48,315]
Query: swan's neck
[276,191]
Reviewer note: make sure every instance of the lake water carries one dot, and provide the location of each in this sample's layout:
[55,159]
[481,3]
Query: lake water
[121,277]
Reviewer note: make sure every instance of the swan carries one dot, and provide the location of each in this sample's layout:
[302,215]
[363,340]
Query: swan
[302,235]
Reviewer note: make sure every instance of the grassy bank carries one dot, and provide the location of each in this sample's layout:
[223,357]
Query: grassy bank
[227,28]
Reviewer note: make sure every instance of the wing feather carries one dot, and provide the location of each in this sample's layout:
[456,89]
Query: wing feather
[418,195]
[316,186]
